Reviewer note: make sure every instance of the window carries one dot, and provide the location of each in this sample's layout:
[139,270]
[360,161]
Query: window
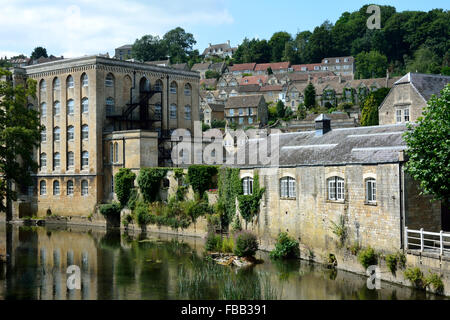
[84,188]
[109,81]
[70,160]
[109,106]
[43,86]
[70,107]
[406,115]
[241,111]
[231,112]
[116,152]
[111,152]
[43,109]
[326,61]
[158,111]
[371,190]
[187,112]
[158,85]
[187,89]
[42,188]
[70,133]
[70,82]
[56,160]
[70,188]
[56,108]
[336,189]
[345,59]
[44,135]
[56,84]
[247,186]
[84,80]
[338,60]
[43,159]
[241,120]
[173,87]
[250,120]
[287,187]
[85,132]
[56,189]
[56,134]
[173,111]
[85,159]
[85,105]
[398,115]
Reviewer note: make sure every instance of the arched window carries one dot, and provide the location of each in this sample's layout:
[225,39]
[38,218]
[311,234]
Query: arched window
[144,85]
[70,82]
[56,108]
[56,134]
[44,135]
[56,84]
[43,159]
[335,188]
[371,190]
[42,188]
[70,188]
[85,159]
[70,160]
[84,188]
[56,189]
[287,187]
[173,111]
[247,185]
[111,152]
[85,132]
[109,81]
[56,160]
[84,80]
[43,86]
[187,89]
[158,85]
[70,107]
[116,152]
[173,87]
[70,133]
[109,106]
[43,109]
[85,105]
[187,112]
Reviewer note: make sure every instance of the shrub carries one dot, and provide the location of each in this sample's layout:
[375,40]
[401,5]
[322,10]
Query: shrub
[391,261]
[124,183]
[246,244]
[415,276]
[367,257]
[127,220]
[142,215]
[435,281]
[213,221]
[200,177]
[331,261]
[285,248]
[110,210]
[340,230]
[149,181]
[236,226]
[213,242]
[227,245]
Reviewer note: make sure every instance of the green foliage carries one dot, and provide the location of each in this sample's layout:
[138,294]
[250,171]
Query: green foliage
[213,242]
[331,261]
[415,276]
[372,64]
[127,220]
[229,188]
[278,43]
[39,52]
[281,109]
[20,133]
[149,182]
[435,281]
[285,248]
[212,74]
[249,204]
[110,210]
[213,220]
[391,262]
[429,147]
[367,257]
[200,177]
[236,226]
[134,197]
[310,96]
[340,230]
[424,61]
[369,113]
[254,50]
[355,248]
[205,127]
[246,244]
[124,183]
[215,123]
[301,111]
[227,245]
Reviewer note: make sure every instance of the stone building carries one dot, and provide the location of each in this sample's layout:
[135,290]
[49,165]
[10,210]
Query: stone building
[350,177]
[222,50]
[100,115]
[248,110]
[213,111]
[123,52]
[344,66]
[408,97]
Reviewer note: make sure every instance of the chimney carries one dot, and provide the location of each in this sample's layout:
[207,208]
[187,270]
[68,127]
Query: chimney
[228,41]
[210,44]
[322,125]
[387,78]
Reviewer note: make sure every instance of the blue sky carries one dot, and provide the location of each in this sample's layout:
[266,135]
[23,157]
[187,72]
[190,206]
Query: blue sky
[74,28]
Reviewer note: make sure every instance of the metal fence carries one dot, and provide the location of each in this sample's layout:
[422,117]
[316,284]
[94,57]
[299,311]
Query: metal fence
[427,241]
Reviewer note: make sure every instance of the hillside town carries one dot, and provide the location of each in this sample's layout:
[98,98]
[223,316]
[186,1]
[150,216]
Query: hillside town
[315,161]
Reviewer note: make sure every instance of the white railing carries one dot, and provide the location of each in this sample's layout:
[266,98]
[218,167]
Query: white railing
[427,241]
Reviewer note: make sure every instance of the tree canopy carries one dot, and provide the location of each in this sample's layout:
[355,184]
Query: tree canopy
[39,52]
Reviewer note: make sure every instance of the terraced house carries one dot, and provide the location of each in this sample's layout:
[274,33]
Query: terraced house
[100,115]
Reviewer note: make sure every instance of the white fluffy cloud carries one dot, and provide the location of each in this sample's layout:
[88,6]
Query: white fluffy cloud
[93,26]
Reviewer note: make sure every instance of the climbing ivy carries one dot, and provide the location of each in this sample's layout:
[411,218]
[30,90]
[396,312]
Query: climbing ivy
[124,183]
[229,188]
[249,204]
[149,181]
[200,177]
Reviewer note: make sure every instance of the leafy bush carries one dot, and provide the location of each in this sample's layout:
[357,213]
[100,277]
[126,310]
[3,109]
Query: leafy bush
[200,177]
[213,242]
[236,226]
[127,220]
[246,244]
[227,245]
[110,210]
[435,280]
[124,183]
[142,215]
[213,221]
[367,257]
[134,196]
[391,262]
[415,276]
[285,248]
[249,204]
[149,181]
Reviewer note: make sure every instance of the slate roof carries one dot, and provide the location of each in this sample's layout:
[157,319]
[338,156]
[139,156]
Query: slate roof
[201,66]
[425,84]
[275,87]
[219,66]
[330,116]
[243,101]
[180,66]
[216,107]
[243,67]
[249,88]
[223,46]
[274,66]
[359,145]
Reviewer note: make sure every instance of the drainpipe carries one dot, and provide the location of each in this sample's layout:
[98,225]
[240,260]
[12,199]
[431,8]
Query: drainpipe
[401,183]
[123,152]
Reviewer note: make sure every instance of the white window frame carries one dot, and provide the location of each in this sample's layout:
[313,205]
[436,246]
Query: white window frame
[288,187]
[247,186]
[398,116]
[70,107]
[371,190]
[336,188]
[70,160]
[406,114]
[173,111]
[56,188]
[70,188]
[85,105]
[70,133]
[43,188]
[84,188]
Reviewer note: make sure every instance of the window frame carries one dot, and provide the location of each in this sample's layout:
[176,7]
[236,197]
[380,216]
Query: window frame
[247,186]
[84,188]
[56,188]
[371,190]
[70,188]
[336,189]
[288,187]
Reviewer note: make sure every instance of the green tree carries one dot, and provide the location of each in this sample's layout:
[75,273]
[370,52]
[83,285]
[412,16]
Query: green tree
[425,61]
[20,133]
[149,48]
[371,64]
[124,183]
[281,109]
[320,43]
[310,96]
[369,113]
[211,74]
[429,148]
[278,43]
[178,44]
[39,52]
[302,43]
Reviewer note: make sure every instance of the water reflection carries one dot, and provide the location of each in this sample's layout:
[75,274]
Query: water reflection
[124,266]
